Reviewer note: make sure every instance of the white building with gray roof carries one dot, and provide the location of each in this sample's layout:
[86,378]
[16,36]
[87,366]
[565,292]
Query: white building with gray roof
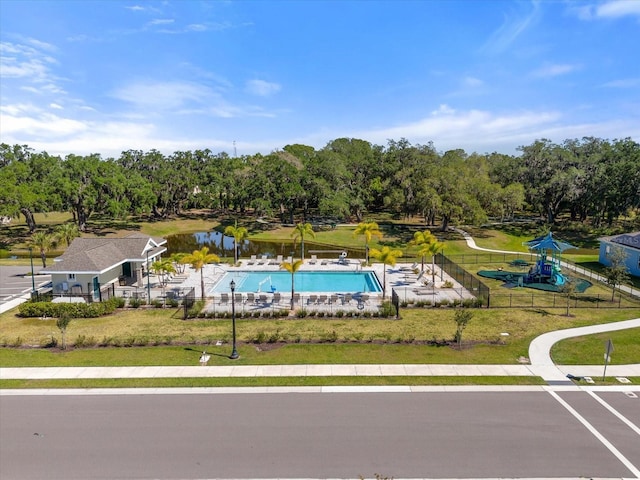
[90,266]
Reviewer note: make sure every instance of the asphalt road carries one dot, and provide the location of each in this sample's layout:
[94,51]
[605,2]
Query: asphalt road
[14,280]
[529,434]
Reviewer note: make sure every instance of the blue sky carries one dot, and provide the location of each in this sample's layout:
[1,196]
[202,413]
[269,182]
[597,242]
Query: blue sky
[107,76]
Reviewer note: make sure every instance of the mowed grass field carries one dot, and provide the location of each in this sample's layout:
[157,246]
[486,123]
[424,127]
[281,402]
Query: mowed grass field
[412,339]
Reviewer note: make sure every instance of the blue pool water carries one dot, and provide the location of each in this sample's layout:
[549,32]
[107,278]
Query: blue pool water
[332,282]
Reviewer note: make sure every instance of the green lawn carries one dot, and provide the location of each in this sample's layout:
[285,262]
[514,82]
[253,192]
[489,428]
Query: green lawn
[140,337]
[590,349]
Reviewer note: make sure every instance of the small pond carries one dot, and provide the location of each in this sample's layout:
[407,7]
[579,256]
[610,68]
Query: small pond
[222,246]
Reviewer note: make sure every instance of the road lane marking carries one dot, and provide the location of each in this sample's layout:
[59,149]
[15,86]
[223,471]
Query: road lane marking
[622,418]
[632,468]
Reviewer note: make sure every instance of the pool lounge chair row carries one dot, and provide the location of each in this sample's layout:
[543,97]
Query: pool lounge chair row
[265,260]
[278,299]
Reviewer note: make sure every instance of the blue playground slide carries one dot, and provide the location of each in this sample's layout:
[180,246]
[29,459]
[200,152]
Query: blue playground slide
[558,279]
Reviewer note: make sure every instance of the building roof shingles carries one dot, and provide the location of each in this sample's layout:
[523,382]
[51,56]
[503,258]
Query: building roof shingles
[95,255]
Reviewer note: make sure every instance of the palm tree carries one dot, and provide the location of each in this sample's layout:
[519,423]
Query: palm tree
[66,232]
[387,256]
[239,235]
[434,248]
[163,268]
[368,230]
[301,230]
[292,268]
[198,259]
[177,258]
[423,240]
[44,242]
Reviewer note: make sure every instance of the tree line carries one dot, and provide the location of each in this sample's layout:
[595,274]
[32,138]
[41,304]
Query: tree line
[590,179]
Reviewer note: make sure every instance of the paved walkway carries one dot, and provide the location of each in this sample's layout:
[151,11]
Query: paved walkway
[553,374]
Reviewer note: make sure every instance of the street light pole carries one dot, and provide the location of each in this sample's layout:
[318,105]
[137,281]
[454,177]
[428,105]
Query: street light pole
[33,280]
[148,281]
[234,352]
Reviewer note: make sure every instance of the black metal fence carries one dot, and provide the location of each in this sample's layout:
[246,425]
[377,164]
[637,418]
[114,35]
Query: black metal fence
[464,278]
[544,300]
[536,299]
[188,300]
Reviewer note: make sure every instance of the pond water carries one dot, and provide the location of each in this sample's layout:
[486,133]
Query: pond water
[222,246]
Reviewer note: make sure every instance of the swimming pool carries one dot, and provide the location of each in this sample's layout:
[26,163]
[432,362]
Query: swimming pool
[305,281]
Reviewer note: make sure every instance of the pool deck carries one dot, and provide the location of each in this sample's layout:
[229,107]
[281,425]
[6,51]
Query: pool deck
[409,286]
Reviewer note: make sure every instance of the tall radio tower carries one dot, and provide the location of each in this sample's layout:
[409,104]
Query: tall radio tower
[235,152]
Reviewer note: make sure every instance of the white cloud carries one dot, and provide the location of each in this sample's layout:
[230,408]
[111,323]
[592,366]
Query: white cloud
[610,9]
[472,82]
[513,25]
[158,96]
[554,70]
[443,109]
[262,88]
[161,21]
[623,83]
[55,106]
[483,131]
[30,122]
[618,8]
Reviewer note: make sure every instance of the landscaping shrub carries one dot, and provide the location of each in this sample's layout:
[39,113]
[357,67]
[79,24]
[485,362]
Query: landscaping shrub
[469,302]
[157,303]
[274,337]
[71,310]
[172,302]
[135,303]
[195,309]
[388,309]
[302,313]
[120,302]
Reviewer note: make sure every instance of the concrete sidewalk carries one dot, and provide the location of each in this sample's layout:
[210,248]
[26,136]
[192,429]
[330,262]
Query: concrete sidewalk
[358,370]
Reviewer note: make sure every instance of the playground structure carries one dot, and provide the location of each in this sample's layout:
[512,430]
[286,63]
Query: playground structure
[547,268]
[545,273]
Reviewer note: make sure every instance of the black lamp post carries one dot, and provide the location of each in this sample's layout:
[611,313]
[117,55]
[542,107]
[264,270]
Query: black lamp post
[33,280]
[148,280]
[234,353]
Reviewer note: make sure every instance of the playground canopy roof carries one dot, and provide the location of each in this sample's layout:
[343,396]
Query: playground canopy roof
[547,242]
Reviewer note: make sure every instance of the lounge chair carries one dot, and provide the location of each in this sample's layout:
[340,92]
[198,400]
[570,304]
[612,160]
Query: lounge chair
[322,299]
[333,299]
[364,298]
[312,300]
[224,298]
[313,260]
[276,261]
[263,260]
[262,299]
[346,299]
[238,298]
[252,260]
[251,298]
[296,298]
[277,297]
